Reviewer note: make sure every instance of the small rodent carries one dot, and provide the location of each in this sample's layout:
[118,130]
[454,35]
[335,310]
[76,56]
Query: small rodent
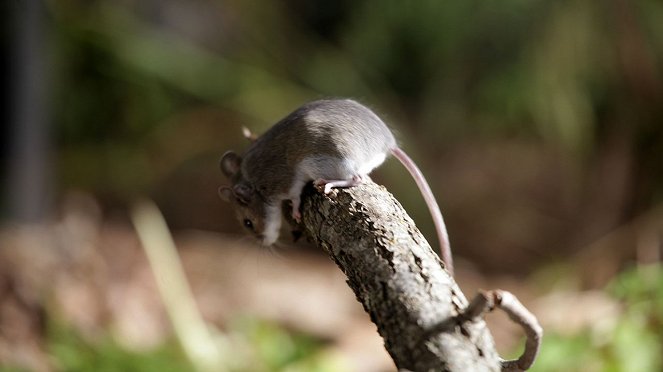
[334,143]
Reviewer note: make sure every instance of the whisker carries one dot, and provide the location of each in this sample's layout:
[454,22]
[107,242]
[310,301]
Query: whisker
[274,251]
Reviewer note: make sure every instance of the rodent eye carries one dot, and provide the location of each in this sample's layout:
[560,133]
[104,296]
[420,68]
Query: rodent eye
[248,224]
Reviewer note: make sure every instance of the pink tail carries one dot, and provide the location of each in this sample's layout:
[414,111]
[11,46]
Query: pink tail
[440,227]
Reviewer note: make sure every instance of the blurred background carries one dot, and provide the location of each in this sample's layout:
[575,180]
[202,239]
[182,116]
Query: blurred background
[539,125]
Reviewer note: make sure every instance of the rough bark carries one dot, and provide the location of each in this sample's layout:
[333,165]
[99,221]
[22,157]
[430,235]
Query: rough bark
[400,281]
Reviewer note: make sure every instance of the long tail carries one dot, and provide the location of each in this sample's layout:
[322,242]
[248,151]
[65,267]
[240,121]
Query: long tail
[440,227]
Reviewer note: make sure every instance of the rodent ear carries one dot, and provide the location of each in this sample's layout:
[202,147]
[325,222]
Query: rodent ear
[225,193]
[243,193]
[230,163]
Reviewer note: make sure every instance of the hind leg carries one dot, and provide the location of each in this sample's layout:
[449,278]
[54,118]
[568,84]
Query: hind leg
[327,185]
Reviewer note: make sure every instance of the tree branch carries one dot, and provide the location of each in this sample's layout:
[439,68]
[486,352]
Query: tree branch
[400,281]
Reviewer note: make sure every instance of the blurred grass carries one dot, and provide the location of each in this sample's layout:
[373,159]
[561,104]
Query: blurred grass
[633,344]
[73,353]
[203,351]
[277,349]
[270,347]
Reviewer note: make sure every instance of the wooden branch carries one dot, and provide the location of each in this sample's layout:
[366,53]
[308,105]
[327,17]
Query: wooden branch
[400,281]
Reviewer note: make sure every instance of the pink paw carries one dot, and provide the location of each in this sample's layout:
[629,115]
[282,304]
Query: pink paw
[322,185]
[330,184]
[297,215]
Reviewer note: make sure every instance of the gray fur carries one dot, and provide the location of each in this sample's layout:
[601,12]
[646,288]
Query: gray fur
[329,139]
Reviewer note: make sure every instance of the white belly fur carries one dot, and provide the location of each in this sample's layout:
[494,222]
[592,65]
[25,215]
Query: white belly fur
[365,169]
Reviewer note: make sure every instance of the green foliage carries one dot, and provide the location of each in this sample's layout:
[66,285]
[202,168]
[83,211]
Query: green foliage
[273,348]
[259,346]
[634,344]
[73,353]
[12,369]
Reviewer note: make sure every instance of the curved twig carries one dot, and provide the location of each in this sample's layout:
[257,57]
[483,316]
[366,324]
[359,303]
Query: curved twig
[488,300]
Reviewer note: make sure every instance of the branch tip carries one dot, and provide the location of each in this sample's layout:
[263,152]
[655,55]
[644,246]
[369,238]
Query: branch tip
[486,301]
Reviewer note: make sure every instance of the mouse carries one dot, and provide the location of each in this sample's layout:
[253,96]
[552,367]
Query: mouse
[330,142]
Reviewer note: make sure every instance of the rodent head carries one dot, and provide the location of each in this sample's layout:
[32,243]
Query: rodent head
[249,206]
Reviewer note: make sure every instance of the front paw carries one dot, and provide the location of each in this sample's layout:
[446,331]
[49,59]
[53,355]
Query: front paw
[297,215]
